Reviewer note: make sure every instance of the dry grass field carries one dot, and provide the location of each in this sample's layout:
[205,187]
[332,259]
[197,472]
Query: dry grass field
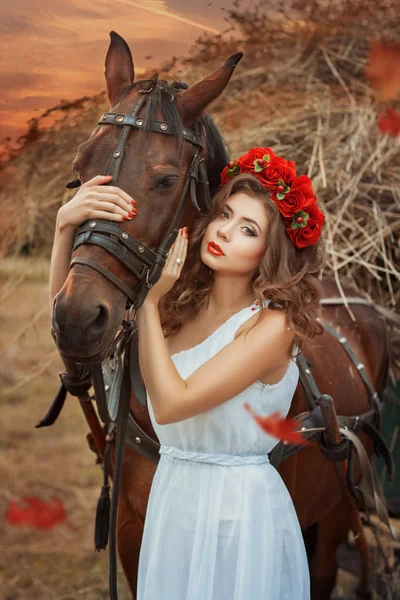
[59,564]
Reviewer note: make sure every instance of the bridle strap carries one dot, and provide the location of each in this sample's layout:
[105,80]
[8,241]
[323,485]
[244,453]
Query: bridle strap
[115,161]
[135,122]
[88,262]
[145,264]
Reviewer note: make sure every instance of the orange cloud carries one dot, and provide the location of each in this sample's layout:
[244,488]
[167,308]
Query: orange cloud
[55,49]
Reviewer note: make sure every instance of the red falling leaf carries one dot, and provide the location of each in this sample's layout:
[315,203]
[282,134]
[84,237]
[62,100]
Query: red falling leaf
[383,70]
[282,428]
[36,513]
[389,121]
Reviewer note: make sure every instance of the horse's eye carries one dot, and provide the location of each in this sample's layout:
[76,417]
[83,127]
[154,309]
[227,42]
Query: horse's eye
[166,182]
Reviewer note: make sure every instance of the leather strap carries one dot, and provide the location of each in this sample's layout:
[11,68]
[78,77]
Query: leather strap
[134,369]
[138,439]
[371,499]
[122,425]
[76,387]
[82,260]
[122,120]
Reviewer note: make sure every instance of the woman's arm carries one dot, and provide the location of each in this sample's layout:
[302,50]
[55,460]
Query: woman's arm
[266,347]
[92,201]
[263,349]
[60,258]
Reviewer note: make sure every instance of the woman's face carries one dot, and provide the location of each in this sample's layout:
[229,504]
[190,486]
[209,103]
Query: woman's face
[235,241]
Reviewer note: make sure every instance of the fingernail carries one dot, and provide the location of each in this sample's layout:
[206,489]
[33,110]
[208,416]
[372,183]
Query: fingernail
[135,211]
[108,176]
[133,202]
[131,215]
[124,218]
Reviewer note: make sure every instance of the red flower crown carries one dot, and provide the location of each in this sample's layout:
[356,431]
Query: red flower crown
[294,196]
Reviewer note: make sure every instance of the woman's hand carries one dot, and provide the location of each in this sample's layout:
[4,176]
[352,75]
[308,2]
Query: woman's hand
[96,201]
[172,269]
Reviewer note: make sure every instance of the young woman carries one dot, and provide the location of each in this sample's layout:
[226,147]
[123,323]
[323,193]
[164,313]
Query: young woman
[234,305]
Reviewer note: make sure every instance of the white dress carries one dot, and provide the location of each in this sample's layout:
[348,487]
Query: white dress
[220,522]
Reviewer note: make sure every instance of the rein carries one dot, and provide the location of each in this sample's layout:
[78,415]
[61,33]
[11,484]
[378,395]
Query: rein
[146,265]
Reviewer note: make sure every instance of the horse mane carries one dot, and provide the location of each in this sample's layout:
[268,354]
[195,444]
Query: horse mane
[162,99]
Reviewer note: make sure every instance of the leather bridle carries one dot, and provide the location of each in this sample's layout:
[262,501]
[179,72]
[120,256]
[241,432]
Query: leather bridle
[146,265]
[140,260]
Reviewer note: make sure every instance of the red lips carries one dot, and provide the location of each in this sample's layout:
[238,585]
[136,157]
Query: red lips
[215,249]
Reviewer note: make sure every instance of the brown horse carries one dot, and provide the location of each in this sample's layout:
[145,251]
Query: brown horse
[89,308]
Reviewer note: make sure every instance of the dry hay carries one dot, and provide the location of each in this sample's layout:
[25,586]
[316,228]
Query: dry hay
[300,89]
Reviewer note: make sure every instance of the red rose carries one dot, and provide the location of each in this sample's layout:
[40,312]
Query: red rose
[279,170]
[246,162]
[308,235]
[299,197]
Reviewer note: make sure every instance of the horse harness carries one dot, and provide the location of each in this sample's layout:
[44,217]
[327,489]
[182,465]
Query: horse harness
[140,260]
[146,265]
[112,380]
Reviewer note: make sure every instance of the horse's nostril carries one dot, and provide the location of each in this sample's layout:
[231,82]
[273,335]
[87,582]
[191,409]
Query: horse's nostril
[101,320]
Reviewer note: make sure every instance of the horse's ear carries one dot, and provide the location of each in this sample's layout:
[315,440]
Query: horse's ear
[193,101]
[119,66]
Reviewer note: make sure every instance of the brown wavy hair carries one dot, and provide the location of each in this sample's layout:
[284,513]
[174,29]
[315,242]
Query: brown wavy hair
[287,276]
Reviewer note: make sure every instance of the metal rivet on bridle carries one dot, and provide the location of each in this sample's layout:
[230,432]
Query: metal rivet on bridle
[116,154]
[138,440]
[184,131]
[104,117]
[342,340]
[92,224]
[106,387]
[141,249]
[124,235]
[164,126]
[303,429]
[308,371]
[360,366]
[120,118]
[139,122]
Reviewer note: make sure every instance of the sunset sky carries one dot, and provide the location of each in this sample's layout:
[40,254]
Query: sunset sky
[55,49]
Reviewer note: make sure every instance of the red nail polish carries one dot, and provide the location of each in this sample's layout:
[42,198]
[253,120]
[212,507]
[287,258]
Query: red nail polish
[131,215]
[124,218]
[133,202]
[135,211]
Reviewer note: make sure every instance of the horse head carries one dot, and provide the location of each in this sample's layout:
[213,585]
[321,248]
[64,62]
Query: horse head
[163,151]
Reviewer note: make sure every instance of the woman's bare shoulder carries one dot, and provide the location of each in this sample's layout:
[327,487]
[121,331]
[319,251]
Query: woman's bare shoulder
[264,316]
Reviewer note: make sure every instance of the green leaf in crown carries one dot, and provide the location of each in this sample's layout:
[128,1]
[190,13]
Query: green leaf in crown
[282,189]
[261,163]
[233,168]
[299,219]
